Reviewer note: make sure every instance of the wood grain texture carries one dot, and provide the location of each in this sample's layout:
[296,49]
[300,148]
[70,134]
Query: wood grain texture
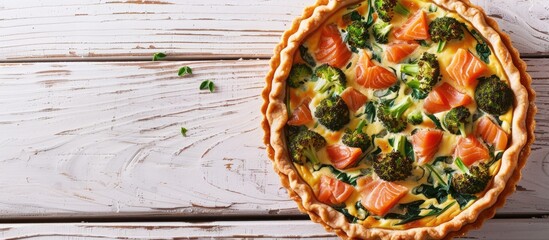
[193,29]
[103,140]
[527,229]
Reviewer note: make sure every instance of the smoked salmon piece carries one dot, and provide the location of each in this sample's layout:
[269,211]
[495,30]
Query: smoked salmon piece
[331,48]
[453,96]
[491,133]
[353,98]
[373,76]
[465,68]
[415,28]
[343,156]
[444,98]
[398,51]
[301,115]
[471,150]
[379,196]
[425,143]
[332,191]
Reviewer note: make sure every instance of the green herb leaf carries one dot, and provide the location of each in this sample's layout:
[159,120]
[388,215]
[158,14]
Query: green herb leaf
[185,70]
[158,56]
[207,85]
[183,131]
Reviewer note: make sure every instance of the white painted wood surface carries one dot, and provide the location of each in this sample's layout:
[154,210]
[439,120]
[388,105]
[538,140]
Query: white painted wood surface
[190,29]
[501,229]
[87,140]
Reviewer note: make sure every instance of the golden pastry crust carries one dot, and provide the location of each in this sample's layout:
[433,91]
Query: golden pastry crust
[514,158]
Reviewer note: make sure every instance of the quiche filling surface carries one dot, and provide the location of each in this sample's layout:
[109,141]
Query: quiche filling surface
[398,113]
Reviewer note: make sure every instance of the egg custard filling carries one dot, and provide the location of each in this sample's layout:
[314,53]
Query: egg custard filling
[398,113]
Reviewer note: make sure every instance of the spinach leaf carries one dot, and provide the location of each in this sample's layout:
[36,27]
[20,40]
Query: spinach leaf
[375,56]
[443,159]
[352,16]
[370,111]
[362,213]
[483,50]
[370,20]
[306,56]
[342,176]
[435,120]
[441,192]
[409,149]
[346,213]
[413,212]
[494,157]
[424,43]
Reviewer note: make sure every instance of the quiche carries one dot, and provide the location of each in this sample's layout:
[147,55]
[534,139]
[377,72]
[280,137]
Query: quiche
[397,118]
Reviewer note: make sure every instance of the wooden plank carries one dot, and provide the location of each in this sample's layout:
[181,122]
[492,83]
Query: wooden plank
[103,140]
[492,229]
[191,29]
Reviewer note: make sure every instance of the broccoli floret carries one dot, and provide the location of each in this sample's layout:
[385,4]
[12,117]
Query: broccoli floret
[385,9]
[444,29]
[333,113]
[381,31]
[357,138]
[391,116]
[294,130]
[470,181]
[415,118]
[493,95]
[358,34]
[304,145]
[456,119]
[426,74]
[330,79]
[299,75]
[394,166]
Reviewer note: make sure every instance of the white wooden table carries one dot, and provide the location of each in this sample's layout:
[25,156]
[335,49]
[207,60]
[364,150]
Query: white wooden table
[90,142]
